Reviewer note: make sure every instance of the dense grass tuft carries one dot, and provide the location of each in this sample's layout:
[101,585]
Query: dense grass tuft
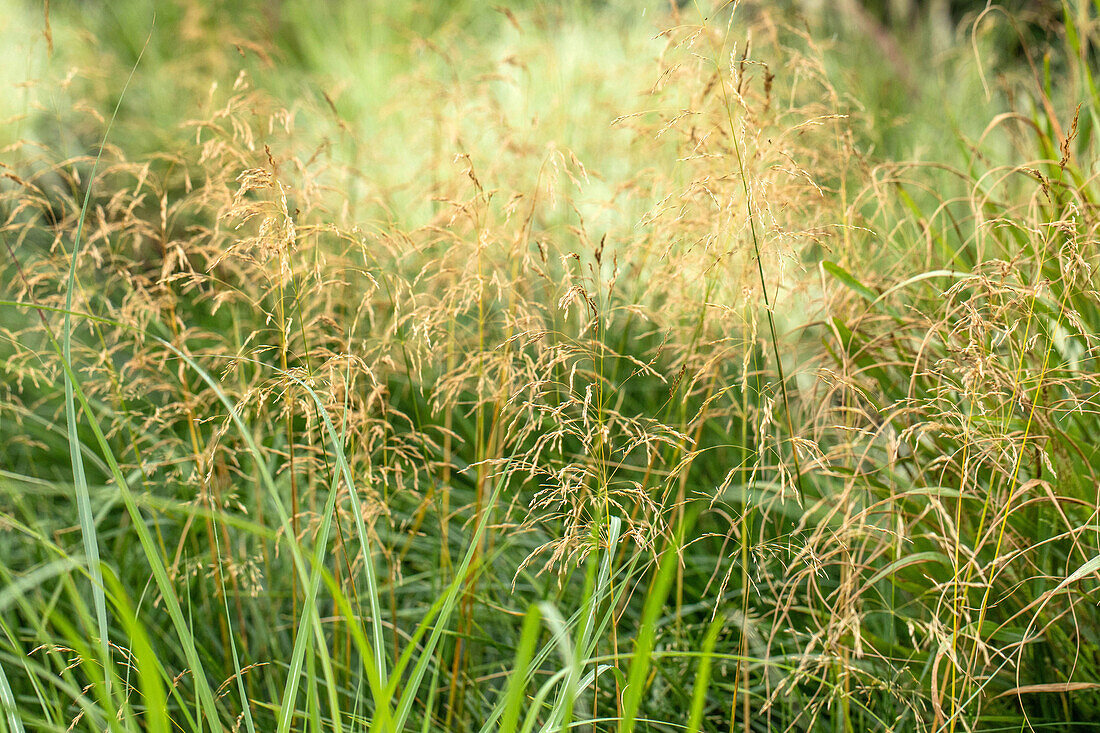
[549,366]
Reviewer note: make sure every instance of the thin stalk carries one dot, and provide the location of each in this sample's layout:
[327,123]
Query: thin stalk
[763,282]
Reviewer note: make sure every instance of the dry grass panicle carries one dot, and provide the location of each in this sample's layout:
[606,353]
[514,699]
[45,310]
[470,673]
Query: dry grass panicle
[352,393]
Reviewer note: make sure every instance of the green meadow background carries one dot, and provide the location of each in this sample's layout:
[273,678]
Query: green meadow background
[611,366]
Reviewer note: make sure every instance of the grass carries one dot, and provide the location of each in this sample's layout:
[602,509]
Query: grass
[548,366]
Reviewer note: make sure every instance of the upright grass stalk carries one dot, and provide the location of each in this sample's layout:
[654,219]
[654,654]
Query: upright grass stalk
[164,585]
[83,498]
[750,215]
[12,719]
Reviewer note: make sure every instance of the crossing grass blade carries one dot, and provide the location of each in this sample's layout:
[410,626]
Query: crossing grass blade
[88,531]
[702,675]
[13,722]
[309,618]
[437,618]
[156,563]
[641,662]
[515,693]
[143,658]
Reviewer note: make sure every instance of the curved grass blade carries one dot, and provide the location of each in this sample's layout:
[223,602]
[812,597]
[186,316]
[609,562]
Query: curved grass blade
[446,605]
[702,676]
[642,660]
[150,674]
[159,571]
[156,564]
[83,497]
[11,718]
[517,683]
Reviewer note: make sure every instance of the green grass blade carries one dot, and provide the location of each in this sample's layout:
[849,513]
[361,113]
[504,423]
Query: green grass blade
[517,682]
[848,279]
[250,724]
[309,613]
[641,661]
[382,711]
[88,533]
[702,676]
[448,602]
[10,711]
[142,656]
[160,572]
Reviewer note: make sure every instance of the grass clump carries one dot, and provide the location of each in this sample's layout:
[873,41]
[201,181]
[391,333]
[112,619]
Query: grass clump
[605,376]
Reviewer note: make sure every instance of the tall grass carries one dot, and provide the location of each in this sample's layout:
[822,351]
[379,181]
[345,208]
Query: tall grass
[543,368]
